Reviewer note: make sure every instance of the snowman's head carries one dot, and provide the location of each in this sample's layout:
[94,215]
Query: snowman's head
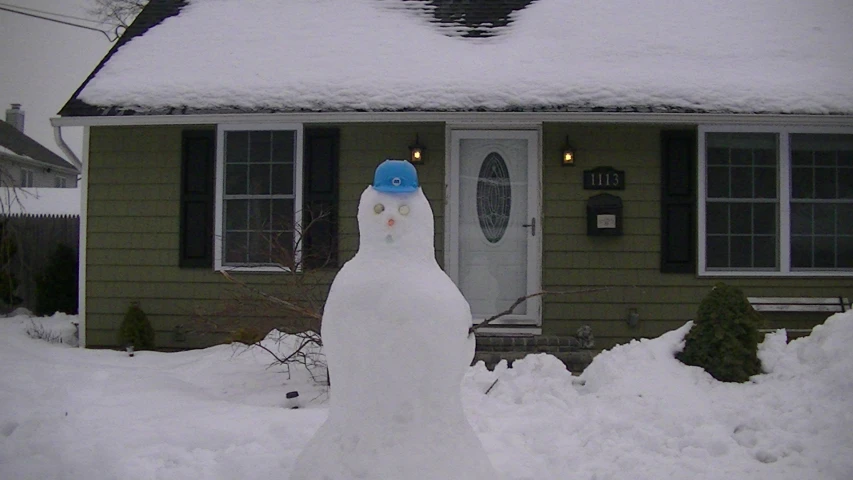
[396,219]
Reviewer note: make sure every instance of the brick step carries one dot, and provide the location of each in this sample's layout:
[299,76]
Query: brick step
[575,361]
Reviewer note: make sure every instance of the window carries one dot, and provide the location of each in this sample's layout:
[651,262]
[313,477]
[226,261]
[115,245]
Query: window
[258,197]
[59,182]
[775,202]
[27,178]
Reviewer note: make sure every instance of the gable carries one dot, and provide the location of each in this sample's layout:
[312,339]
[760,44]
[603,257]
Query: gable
[548,55]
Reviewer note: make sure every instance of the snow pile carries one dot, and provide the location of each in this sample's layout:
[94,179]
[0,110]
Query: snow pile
[635,413]
[331,55]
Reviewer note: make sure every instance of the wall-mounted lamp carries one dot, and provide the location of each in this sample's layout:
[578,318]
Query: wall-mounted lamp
[568,154]
[417,152]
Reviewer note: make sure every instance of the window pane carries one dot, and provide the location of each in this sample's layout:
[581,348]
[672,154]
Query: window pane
[283,146]
[236,214]
[741,218]
[236,147]
[845,183]
[845,219]
[282,215]
[824,219]
[259,214]
[801,252]
[742,183]
[802,183]
[845,252]
[802,158]
[764,156]
[741,252]
[801,219]
[259,247]
[236,246]
[765,252]
[825,183]
[824,159]
[282,179]
[765,182]
[260,146]
[717,218]
[824,255]
[718,183]
[259,178]
[764,218]
[718,156]
[741,156]
[717,252]
[236,179]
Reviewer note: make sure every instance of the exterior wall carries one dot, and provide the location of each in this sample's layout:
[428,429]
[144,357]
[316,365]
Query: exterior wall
[627,266]
[11,175]
[133,226]
[133,233]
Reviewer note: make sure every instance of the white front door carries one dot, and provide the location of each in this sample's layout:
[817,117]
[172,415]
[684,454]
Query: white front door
[494,224]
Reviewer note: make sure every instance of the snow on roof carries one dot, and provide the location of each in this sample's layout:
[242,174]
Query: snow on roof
[39,201]
[775,56]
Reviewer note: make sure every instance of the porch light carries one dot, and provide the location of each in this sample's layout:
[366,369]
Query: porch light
[568,156]
[417,152]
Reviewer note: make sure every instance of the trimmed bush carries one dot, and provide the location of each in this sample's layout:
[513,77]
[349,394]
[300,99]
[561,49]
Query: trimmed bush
[724,338]
[56,286]
[136,330]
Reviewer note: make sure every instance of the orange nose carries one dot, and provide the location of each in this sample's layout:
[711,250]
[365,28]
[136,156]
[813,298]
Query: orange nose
[390,222]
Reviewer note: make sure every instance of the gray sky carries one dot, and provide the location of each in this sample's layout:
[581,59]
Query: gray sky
[42,63]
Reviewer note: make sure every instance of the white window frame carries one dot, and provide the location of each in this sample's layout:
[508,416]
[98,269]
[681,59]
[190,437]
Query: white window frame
[784,198]
[28,178]
[218,242]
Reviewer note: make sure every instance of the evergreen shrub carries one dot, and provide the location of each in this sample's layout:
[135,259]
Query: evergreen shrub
[136,330]
[725,336]
[56,286]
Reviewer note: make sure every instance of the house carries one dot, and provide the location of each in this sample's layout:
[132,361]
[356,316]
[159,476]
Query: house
[624,156]
[25,163]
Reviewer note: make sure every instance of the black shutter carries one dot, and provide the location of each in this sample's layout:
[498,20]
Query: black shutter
[320,206]
[678,201]
[197,198]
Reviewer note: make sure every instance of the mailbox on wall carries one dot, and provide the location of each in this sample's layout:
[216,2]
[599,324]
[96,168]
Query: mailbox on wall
[604,215]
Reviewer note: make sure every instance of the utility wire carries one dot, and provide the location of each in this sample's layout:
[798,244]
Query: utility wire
[52,14]
[58,21]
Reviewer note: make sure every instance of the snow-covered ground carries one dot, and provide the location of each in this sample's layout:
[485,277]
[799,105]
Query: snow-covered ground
[221,413]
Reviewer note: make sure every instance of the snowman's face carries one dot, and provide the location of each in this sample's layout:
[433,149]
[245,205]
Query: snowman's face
[397,220]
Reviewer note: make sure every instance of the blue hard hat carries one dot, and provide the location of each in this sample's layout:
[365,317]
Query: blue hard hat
[395,176]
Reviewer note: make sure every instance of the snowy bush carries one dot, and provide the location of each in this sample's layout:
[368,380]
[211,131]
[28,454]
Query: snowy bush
[136,330]
[724,338]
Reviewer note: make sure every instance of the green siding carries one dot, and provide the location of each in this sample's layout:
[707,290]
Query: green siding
[133,228]
[628,267]
[133,224]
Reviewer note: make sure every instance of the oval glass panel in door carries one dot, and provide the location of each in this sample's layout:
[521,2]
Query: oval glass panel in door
[494,197]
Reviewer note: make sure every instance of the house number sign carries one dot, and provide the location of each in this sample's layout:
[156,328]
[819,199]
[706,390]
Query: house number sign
[604,178]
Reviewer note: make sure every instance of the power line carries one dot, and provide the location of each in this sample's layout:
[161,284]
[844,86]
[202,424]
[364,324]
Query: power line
[57,21]
[61,15]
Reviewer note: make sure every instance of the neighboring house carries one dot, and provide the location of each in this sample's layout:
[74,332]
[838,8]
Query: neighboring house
[26,163]
[720,133]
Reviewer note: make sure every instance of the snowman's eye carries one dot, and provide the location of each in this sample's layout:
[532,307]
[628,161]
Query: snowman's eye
[379,208]
[404,209]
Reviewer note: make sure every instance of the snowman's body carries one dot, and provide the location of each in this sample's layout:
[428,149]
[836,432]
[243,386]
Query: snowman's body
[395,334]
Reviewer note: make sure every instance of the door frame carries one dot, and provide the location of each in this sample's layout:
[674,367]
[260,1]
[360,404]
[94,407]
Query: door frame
[532,133]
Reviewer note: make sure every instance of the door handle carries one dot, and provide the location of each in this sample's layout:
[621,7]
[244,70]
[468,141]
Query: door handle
[532,226]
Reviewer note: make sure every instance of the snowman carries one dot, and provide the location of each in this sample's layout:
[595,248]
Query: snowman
[395,334]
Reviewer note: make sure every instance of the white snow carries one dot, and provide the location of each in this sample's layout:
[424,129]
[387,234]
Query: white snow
[785,56]
[40,201]
[219,413]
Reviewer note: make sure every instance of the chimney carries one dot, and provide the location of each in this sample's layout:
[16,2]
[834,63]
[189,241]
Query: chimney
[15,117]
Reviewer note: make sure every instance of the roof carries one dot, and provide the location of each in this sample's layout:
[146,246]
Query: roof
[14,141]
[720,56]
